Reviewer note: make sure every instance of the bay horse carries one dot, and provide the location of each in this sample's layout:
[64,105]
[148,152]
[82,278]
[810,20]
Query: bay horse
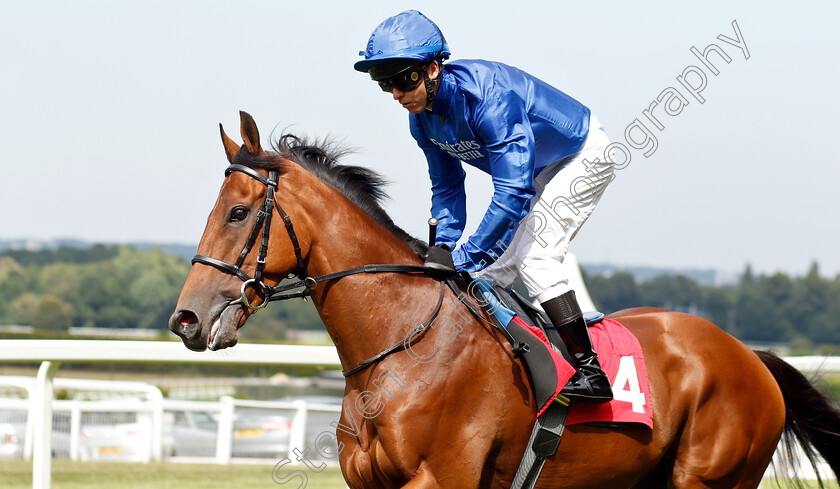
[454,409]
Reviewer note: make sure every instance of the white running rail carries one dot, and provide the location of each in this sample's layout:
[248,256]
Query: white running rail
[51,353]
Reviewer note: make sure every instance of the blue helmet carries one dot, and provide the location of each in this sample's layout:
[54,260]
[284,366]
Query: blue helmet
[408,35]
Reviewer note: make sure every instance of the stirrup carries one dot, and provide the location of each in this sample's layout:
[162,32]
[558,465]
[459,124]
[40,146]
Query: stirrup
[590,395]
[589,383]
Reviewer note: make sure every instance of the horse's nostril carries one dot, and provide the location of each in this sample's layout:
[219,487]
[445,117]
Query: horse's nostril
[187,318]
[184,323]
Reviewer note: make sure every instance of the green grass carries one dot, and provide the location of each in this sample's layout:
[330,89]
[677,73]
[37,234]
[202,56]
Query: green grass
[101,475]
[17,474]
[772,484]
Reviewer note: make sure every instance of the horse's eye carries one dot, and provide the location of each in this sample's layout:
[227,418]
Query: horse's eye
[238,214]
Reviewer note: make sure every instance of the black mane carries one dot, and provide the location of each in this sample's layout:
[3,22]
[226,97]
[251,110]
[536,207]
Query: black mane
[363,186]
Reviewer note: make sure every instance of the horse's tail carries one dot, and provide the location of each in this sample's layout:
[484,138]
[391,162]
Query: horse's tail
[811,418]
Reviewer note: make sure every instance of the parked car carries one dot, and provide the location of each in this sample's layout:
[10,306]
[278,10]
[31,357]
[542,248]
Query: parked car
[189,434]
[13,434]
[318,423]
[115,436]
[10,444]
[261,434]
[256,434]
[126,436]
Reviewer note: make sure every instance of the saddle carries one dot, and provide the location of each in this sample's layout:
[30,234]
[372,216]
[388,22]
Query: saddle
[546,357]
[548,364]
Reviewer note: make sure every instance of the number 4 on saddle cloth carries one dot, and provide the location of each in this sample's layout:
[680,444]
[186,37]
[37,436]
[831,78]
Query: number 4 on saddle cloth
[619,353]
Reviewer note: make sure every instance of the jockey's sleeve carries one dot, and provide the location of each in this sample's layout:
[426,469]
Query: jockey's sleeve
[448,196]
[501,121]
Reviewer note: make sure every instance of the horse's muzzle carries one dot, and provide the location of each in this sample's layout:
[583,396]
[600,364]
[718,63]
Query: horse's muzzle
[208,327]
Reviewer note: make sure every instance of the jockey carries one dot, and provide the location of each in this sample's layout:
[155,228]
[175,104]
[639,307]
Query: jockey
[543,151]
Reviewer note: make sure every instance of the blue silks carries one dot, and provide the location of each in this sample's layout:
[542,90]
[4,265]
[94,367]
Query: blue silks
[504,122]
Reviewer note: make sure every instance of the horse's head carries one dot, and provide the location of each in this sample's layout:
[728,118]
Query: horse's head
[226,283]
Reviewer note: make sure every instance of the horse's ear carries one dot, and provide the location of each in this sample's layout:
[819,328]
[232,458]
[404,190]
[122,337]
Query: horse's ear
[250,134]
[231,148]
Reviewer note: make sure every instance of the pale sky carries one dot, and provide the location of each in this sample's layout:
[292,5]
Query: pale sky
[109,116]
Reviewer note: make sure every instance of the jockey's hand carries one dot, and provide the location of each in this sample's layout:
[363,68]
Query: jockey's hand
[439,259]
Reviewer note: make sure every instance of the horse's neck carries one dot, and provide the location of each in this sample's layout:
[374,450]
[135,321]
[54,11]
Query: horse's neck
[365,313]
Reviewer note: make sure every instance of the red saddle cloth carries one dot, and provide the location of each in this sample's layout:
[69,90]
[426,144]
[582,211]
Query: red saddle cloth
[620,355]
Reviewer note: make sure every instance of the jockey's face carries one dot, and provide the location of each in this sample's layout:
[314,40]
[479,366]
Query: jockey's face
[414,100]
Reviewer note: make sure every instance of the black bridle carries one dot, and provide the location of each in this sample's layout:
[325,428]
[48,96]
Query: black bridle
[269,294]
[265,292]
[263,221]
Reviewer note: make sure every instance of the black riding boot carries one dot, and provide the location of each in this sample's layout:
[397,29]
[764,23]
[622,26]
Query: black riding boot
[589,384]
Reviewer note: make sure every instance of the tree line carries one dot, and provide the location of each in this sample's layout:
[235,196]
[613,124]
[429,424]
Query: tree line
[114,287]
[760,308]
[120,287]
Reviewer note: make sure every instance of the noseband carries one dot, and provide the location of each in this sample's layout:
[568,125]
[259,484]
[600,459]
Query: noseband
[263,220]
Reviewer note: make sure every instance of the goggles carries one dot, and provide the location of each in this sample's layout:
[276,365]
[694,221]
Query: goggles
[405,81]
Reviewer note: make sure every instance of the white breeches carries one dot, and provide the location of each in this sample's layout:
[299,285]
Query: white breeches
[567,193]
